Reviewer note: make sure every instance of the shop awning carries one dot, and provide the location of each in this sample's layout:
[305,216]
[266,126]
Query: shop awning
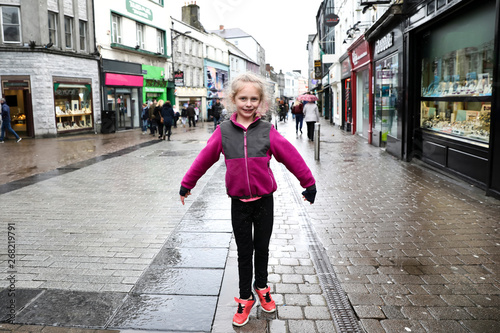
[124,80]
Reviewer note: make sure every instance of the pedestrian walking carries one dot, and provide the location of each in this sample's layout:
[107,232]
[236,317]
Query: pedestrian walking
[167,114]
[248,144]
[216,112]
[152,118]
[177,115]
[157,119]
[311,116]
[144,118]
[191,113]
[6,122]
[297,111]
[184,116]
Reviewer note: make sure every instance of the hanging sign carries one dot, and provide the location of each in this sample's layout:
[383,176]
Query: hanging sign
[179,79]
[331,20]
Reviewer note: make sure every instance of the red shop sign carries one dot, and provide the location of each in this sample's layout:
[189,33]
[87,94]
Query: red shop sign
[360,56]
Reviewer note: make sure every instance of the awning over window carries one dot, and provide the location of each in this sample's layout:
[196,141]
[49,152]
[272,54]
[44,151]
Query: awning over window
[123,80]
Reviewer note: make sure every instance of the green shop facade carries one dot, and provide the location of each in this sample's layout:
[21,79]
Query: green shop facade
[156,85]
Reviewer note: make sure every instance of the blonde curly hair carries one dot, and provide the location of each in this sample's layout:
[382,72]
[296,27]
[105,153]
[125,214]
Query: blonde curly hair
[237,84]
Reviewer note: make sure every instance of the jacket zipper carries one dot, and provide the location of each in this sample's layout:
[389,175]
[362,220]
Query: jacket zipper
[246,162]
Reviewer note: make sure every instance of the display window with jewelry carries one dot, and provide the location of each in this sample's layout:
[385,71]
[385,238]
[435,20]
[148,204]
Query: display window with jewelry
[457,61]
[73,106]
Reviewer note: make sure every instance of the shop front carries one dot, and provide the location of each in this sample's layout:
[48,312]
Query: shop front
[361,88]
[346,117]
[17,93]
[123,89]
[387,124]
[156,86]
[216,76]
[73,104]
[454,86]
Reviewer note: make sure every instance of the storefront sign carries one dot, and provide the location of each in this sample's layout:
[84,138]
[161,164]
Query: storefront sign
[139,10]
[356,57]
[384,43]
[179,79]
[124,80]
[317,69]
[346,68]
[331,20]
[360,55]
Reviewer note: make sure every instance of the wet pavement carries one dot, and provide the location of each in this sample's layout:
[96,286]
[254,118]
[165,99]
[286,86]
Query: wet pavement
[103,243]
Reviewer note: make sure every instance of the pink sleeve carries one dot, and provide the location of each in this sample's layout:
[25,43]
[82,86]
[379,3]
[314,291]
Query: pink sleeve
[286,153]
[205,159]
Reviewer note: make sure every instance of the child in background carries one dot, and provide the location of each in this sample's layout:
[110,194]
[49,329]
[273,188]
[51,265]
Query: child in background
[248,143]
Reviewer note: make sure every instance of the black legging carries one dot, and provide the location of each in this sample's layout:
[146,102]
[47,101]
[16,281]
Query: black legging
[310,130]
[244,215]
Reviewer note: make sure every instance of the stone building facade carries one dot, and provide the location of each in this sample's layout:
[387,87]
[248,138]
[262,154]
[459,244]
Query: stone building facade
[49,68]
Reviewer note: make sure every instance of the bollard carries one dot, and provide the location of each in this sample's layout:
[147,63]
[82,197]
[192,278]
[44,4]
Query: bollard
[316,141]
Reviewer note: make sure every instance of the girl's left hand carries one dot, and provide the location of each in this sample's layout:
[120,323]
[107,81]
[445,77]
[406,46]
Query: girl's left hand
[185,196]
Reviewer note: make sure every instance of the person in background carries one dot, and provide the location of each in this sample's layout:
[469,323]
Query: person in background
[152,120]
[191,113]
[216,112]
[144,118]
[177,115]
[167,113]
[311,116]
[6,121]
[297,111]
[157,114]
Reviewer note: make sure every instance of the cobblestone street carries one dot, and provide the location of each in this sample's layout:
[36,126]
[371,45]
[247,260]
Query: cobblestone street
[103,243]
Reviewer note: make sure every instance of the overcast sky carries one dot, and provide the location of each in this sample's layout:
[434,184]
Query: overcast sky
[281,27]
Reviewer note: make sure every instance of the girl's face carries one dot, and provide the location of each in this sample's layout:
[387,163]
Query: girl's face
[247,101]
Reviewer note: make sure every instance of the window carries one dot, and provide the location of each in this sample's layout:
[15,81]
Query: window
[53,22]
[83,35]
[116,28]
[68,32]
[139,36]
[11,24]
[457,76]
[160,42]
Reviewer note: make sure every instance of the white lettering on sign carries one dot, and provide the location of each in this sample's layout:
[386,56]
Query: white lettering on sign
[384,43]
[355,57]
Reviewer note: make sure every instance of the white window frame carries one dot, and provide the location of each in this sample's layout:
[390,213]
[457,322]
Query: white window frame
[160,41]
[10,24]
[116,28]
[139,36]
[83,35]
[68,33]
[55,22]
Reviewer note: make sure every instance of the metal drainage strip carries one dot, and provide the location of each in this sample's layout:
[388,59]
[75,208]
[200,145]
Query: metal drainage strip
[343,315]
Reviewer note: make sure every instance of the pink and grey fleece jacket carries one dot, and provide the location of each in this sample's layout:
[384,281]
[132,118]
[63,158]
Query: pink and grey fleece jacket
[247,153]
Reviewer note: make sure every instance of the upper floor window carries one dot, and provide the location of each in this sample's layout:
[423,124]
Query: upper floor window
[116,29]
[160,2]
[83,36]
[68,32]
[140,35]
[160,41]
[53,23]
[11,24]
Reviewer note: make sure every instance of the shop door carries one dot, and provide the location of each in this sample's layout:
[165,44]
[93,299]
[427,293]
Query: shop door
[362,103]
[21,111]
[124,111]
[346,105]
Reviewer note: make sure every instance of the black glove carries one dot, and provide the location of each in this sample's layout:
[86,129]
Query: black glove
[310,193]
[184,191]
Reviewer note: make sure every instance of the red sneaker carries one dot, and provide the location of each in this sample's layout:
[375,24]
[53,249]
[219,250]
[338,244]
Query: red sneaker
[266,301]
[244,307]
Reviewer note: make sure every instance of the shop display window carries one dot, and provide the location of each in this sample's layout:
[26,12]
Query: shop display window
[457,75]
[386,96]
[73,106]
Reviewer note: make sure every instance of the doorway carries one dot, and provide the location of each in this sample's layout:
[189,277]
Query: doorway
[17,94]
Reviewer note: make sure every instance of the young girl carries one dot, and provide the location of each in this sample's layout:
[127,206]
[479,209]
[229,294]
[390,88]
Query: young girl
[248,143]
